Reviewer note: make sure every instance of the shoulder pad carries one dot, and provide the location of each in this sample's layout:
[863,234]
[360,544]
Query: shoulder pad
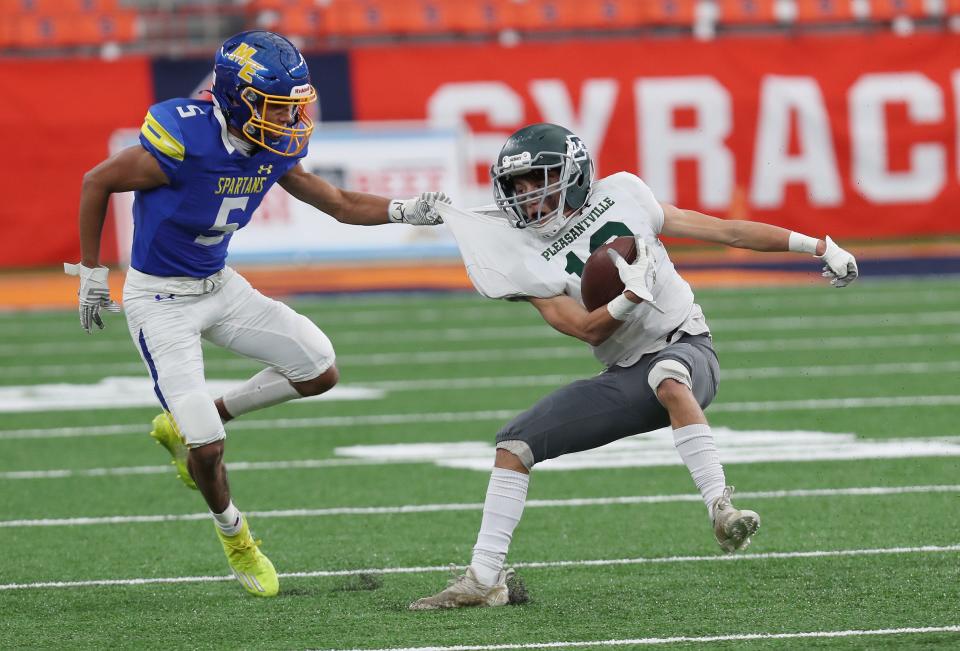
[161,130]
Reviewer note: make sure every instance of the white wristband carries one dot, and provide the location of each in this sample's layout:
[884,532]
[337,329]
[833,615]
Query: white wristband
[621,307]
[803,243]
[395,211]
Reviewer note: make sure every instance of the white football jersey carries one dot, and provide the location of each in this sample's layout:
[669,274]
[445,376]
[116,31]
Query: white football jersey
[506,262]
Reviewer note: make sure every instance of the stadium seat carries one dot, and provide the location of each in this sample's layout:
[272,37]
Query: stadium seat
[59,8]
[609,14]
[669,12]
[748,12]
[824,11]
[483,16]
[285,5]
[304,20]
[371,17]
[889,9]
[77,29]
[533,15]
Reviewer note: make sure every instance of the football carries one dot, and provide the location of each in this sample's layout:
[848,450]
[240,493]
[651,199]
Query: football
[600,282]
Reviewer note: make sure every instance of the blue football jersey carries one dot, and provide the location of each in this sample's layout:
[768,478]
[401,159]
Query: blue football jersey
[184,228]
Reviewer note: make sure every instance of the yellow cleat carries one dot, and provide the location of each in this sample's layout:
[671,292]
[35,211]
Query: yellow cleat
[252,568]
[166,433]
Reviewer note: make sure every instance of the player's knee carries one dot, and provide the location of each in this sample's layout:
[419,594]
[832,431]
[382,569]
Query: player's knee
[206,458]
[671,392]
[198,419]
[514,455]
[320,384]
[670,380]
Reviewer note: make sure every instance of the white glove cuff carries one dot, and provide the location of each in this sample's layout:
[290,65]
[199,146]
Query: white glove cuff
[395,211]
[621,307]
[803,243]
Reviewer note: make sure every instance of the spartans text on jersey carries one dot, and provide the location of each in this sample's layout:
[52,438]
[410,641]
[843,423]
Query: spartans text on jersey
[240,184]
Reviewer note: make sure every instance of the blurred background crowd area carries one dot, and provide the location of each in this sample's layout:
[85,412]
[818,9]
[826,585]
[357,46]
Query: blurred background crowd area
[112,28]
[837,117]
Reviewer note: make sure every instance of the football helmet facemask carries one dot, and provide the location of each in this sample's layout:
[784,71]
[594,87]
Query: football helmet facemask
[550,150]
[254,74]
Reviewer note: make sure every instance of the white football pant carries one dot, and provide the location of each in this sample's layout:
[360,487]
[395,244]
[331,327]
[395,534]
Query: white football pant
[167,318]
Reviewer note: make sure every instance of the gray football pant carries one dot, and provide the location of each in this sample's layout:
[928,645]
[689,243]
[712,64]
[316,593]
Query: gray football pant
[612,405]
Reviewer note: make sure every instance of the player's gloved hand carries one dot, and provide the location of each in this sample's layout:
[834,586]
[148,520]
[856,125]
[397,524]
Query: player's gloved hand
[94,293]
[634,274]
[420,211]
[840,266]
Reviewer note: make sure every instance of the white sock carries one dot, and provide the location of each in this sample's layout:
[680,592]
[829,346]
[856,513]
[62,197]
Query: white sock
[699,452]
[265,389]
[506,495]
[230,521]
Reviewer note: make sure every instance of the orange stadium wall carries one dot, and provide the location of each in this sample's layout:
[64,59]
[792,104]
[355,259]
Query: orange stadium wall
[856,135]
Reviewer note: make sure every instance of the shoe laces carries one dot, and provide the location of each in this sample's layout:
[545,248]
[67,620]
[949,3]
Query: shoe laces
[243,552]
[456,576]
[723,503]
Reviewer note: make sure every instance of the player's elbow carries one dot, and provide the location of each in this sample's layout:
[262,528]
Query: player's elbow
[96,180]
[593,336]
[594,339]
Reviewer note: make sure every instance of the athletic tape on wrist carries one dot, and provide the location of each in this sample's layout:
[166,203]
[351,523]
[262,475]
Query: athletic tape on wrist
[621,307]
[803,243]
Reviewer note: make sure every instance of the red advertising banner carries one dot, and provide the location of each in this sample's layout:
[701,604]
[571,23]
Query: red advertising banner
[853,135]
[58,116]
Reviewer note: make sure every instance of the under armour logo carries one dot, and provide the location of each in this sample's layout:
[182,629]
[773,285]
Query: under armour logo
[265,169]
[164,297]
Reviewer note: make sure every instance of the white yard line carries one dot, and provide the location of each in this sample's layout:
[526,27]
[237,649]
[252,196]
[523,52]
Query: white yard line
[865,491]
[839,403]
[703,639]
[279,423]
[537,331]
[570,351]
[112,429]
[134,392]
[926,549]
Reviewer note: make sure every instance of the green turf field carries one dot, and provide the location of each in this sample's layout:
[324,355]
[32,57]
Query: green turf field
[859,548]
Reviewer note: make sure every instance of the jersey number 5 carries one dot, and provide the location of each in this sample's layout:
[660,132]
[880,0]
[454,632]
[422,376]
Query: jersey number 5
[598,239]
[221,224]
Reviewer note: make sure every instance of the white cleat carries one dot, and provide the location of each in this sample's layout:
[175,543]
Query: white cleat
[731,526]
[464,591]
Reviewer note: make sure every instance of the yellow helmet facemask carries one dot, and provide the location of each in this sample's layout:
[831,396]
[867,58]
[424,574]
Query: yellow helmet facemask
[271,135]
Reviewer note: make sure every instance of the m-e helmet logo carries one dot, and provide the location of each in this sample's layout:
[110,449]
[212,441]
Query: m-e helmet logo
[243,55]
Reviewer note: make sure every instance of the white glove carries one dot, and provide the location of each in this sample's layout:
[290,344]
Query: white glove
[634,274]
[94,293]
[839,265]
[421,211]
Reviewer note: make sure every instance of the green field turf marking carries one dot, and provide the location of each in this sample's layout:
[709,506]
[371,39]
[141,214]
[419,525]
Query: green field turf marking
[866,491]
[833,553]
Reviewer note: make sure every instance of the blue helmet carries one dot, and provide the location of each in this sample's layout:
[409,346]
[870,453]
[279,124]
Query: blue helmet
[258,76]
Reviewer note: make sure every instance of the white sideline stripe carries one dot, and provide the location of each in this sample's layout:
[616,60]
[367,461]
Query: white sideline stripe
[650,641]
[926,549]
[137,391]
[514,332]
[867,491]
[233,466]
[571,351]
[331,310]
[792,322]
[281,423]
[493,415]
[838,403]
[537,331]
